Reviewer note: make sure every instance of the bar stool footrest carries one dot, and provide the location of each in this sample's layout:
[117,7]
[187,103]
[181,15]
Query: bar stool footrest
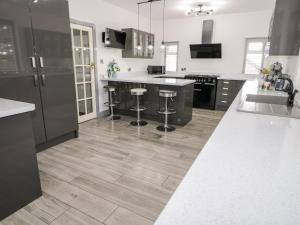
[166,112]
[142,108]
[110,105]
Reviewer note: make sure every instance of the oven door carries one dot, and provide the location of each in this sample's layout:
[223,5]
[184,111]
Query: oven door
[205,95]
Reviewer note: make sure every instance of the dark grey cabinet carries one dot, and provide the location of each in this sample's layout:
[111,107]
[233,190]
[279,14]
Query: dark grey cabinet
[133,37]
[37,66]
[285,32]
[227,92]
[19,176]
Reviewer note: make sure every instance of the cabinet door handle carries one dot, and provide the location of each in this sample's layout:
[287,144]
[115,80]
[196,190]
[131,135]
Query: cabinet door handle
[33,62]
[210,84]
[226,82]
[35,80]
[224,94]
[43,79]
[41,62]
[224,101]
[225,88]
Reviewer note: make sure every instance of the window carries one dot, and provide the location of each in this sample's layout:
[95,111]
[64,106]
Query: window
[171,56]
[257,50]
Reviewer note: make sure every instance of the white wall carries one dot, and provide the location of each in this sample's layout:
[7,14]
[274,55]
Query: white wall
[104,15]
[229,29]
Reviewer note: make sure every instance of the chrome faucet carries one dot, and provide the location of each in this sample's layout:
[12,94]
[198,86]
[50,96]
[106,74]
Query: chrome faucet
[291,92]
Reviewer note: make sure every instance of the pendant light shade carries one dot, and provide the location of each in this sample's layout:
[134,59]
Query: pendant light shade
[139,46]
[150,45]
[163,46]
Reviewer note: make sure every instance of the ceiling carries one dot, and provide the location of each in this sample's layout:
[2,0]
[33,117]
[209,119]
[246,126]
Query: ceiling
[177,8]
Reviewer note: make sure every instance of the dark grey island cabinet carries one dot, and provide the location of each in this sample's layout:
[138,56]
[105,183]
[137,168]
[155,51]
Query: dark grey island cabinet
[182,103]
[37,65]
[19,176]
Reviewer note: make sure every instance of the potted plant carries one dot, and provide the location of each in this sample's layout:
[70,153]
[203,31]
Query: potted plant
[112,68]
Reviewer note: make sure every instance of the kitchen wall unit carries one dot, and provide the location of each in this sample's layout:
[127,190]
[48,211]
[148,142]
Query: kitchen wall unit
[133,38]
[36,65]
[226,93]
[285,32]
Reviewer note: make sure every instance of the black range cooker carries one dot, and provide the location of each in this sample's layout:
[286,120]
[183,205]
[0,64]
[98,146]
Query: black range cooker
[205,90]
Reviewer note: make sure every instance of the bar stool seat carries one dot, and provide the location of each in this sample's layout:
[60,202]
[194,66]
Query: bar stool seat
[138,92]
[111,102]
[167,94]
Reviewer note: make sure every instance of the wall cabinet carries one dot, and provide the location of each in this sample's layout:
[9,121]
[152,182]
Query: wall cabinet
[285,30]
[227,92]
[132,39]
[36,65]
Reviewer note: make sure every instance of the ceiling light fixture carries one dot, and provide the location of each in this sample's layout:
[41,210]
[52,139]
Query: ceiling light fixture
[199,11]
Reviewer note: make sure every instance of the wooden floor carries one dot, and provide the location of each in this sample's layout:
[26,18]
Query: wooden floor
[114,174]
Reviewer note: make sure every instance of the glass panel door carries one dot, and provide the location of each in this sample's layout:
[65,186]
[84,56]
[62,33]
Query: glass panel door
[83,54]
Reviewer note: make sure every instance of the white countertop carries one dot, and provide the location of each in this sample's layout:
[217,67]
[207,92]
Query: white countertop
[247,174]
[10,107]
[144,77]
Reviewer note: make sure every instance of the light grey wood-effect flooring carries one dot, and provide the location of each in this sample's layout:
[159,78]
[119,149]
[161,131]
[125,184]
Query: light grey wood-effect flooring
[115,174]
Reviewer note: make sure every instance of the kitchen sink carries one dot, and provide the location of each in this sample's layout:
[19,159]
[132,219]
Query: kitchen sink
[268,105]
[267,99]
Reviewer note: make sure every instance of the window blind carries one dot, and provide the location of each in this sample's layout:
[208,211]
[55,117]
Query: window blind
[256,52]
[171,57]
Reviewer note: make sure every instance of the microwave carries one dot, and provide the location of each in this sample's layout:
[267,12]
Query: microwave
[156,70]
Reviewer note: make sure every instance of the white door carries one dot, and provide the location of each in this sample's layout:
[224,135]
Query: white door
[84,67]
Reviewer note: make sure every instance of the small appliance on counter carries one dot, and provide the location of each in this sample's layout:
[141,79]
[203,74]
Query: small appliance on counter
[156,70]
[275,72]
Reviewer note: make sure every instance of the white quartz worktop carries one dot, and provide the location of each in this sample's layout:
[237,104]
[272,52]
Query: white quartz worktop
[147,79]
[10,107]
[247,174]
[143,77]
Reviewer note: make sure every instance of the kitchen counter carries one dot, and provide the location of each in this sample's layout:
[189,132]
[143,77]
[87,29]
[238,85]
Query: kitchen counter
[144,78]
[10,107]
[247,173]
[19,175]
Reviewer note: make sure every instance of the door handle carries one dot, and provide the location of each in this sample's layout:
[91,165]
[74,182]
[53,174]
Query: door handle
[41,62]
[43,79]
[210,84]
[33,62]
[35,80]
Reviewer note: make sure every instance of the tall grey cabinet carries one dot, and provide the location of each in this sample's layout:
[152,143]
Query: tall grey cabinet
[36,65]
[285,28]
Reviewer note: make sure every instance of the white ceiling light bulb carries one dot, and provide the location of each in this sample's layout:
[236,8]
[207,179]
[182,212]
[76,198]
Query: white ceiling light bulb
[150,46]
[139,47]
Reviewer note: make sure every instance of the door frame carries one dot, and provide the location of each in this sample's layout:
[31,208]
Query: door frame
[93,27]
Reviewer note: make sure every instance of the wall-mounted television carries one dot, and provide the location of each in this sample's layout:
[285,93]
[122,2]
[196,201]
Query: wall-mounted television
[114,38]
[206,51]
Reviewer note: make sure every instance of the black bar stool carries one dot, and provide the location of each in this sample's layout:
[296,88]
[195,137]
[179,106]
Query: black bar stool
[138,92]
[167,94]
[111,102]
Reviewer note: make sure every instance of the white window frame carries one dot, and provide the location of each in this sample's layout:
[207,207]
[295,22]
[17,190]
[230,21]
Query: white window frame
[165,54]
[265,40]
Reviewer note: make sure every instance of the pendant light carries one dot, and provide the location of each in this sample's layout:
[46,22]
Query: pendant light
[139,46]
[163,46]
[150,45]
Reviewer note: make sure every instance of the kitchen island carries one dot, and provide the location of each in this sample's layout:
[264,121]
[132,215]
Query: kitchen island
[183,103]
[247,173]
[19,176]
